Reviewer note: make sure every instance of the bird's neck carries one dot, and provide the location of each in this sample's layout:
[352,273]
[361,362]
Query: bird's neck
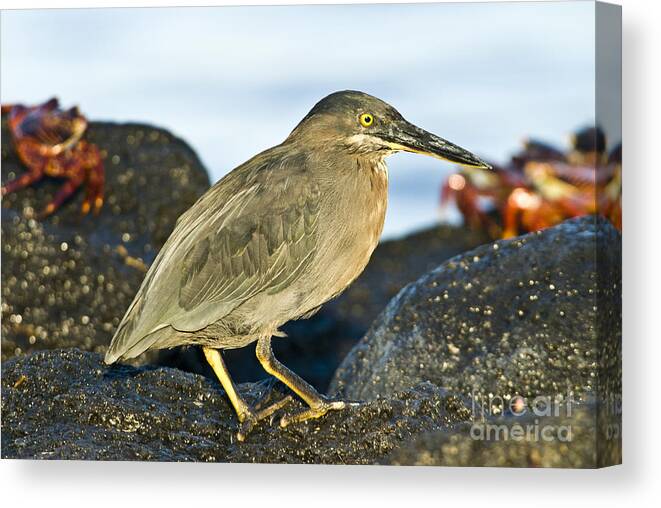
[373,172]
[374,168]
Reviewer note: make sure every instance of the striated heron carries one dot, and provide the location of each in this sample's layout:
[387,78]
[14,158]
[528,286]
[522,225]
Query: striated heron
[274,240]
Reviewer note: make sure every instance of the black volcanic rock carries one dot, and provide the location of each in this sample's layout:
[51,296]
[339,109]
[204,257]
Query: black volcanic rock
[538,315]
[67,280]
[66,404]
[431,370]
[569,443]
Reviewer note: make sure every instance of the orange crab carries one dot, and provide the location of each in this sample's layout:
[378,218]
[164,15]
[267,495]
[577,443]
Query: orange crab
[48,141]
[541,186]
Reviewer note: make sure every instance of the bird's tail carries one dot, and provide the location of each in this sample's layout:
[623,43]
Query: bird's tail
[117,345]
[115,351]
[129,341]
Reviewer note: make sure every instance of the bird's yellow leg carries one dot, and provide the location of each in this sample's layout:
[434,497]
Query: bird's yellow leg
[247,416]
[319,404]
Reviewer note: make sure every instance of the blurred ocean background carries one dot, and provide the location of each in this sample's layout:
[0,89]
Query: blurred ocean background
[233,81]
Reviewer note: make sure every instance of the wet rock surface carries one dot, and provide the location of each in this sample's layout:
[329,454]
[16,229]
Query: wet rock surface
[572,444]
[517,317]
[67,280]
[66,404]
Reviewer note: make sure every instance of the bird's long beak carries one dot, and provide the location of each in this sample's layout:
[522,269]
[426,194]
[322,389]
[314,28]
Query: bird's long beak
[410,138]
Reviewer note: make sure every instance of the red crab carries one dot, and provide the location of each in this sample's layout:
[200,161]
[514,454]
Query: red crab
[540,187]
[48,142]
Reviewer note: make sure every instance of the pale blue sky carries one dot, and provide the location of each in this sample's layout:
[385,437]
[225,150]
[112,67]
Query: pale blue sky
[233,81]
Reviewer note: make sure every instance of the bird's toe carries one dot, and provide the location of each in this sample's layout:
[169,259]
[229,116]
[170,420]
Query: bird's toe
[316,411]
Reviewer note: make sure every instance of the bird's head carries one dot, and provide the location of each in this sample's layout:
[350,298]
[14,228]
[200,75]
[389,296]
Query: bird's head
[362,124]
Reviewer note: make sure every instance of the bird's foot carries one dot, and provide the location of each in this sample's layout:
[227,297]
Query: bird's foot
[249,418]
[320,409]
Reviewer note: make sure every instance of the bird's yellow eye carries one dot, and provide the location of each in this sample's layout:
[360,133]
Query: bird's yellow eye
[366,119]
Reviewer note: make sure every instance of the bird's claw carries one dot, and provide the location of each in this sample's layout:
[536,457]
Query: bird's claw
[245,427]
[250,418]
